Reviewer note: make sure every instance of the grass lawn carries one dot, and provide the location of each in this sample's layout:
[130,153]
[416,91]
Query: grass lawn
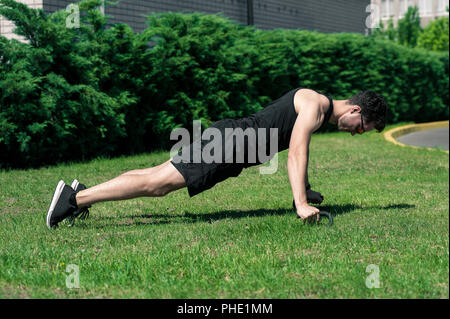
[241,239]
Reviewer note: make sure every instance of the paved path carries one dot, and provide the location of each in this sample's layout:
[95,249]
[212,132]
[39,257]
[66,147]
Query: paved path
[437,138]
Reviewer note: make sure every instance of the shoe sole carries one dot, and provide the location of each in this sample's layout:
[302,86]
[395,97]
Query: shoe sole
[75,184]
[55,199]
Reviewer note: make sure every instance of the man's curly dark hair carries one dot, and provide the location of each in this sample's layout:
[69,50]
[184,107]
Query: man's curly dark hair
[373,107]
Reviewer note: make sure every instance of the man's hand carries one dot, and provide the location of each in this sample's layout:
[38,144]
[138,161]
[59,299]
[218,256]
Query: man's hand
[308,213]
[313,197]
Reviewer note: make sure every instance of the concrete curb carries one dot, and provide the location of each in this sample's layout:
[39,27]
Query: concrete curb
[393,134]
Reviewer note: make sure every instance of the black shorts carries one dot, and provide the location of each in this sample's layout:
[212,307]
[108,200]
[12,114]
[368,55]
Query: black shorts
[201,176]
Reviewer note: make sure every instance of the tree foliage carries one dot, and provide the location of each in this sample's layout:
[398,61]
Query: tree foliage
[409,32]
[409,28]
[435,35]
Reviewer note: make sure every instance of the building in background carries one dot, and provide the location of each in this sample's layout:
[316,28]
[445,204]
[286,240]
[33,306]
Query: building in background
[321,15]
[6,27]
[396,9]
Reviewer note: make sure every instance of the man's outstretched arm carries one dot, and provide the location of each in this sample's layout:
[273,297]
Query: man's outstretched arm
[308,120]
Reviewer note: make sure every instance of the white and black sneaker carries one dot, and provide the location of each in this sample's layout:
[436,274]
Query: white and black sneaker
[63,205]
[81,213]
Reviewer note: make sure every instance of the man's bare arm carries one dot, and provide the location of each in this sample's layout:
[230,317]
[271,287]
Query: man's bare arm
[308,120]
[307,165]
[296,165]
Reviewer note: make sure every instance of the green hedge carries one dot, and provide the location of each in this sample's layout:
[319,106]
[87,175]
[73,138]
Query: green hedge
[73,94]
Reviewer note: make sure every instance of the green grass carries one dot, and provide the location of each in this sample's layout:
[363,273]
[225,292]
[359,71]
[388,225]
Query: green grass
[240,239]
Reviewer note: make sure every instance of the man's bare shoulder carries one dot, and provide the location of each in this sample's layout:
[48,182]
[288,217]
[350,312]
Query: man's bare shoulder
[306,97]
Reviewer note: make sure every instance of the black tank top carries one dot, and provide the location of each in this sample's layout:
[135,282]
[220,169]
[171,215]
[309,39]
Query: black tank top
[281,114]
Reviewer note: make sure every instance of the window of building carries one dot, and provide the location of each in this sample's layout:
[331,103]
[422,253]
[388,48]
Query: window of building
[387,8]
[425,7]
[404,5]
[391,8]
[442,6]
[384,9]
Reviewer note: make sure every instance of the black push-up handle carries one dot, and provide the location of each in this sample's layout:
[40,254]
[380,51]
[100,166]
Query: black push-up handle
[322,213]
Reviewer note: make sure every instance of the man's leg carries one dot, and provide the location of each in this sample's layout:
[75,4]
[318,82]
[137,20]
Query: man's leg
[153,182]
[149,170]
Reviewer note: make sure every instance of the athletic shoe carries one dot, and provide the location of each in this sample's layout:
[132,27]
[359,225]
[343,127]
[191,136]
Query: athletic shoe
[62,206]
[81,213]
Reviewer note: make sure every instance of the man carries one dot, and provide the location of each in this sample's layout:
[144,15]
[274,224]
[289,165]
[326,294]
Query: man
[295,116]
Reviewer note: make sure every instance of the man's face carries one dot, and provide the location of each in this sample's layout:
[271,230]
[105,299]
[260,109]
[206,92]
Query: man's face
[353,122]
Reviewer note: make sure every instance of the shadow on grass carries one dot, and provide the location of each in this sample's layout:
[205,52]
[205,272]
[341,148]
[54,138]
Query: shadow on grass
[343,209]
[158,219]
